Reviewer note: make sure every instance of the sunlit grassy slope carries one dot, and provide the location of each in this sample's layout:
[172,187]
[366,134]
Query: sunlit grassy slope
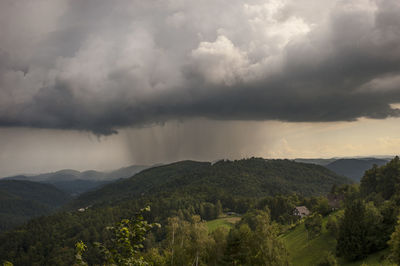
[227,222]
[304,251]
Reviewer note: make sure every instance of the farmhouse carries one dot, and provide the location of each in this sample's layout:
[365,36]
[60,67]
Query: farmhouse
[301,211]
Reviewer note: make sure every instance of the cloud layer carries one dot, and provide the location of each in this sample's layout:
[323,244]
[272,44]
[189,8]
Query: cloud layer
[104,65]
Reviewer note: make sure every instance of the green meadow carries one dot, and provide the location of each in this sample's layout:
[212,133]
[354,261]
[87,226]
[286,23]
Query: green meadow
[305,251]
[225,221]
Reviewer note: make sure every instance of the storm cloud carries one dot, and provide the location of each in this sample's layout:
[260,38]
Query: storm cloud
[101,66]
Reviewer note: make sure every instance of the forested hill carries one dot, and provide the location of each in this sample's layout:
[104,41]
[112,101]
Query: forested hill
[22,200]
[255,177]
[354,168]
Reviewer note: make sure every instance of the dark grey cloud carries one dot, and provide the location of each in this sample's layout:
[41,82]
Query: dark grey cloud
[104,65]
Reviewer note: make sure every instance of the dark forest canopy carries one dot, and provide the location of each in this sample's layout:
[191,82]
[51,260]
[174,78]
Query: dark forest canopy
[255,177]
[23,200]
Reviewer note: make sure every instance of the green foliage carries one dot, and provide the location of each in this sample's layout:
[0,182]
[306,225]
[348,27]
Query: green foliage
[153,257]
[322,206]
[384,180]
[328,259]
[394,244]
[187,241]
[80,248]
[23,200]
[305,251]
[351,242]
[216,250]
[209,211]
[127,241]
[333,226]
[370,214]
[313,225]
[281,207]
[360,231]
[254,241]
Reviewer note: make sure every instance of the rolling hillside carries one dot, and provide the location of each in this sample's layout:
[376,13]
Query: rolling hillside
[305,251]
[23,200]
[254,177]
[354,168]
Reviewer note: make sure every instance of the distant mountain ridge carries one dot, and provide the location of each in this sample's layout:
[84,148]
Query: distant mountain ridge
[318,161]
[75,182]
[354,168]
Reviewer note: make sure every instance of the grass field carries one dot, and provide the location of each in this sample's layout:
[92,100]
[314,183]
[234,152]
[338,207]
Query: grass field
[304,251]
[225,221]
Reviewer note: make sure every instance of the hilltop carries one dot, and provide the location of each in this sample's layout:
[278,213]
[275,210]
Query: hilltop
[255,177]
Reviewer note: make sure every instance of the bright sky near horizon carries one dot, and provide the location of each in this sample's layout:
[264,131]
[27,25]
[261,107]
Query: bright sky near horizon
[41,150]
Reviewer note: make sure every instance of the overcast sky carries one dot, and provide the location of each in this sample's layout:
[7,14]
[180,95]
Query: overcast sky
[101,84]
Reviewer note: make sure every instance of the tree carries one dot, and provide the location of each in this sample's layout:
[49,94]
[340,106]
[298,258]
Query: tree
[382,180]
[313,225]
[394,244]
[217,247]
[187,242]
[254,241]
[322,206]
[126,243]
[218,208]
[369,181]
[328,259]
[351,242]
[360,231]
[332,226]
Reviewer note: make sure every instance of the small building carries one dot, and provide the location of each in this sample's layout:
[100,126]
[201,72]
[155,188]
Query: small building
[301,211]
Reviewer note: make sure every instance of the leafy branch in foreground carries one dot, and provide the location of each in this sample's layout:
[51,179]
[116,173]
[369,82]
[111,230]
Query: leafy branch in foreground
[126,243]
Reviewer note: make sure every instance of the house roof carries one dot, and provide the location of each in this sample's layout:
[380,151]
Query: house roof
[302,209]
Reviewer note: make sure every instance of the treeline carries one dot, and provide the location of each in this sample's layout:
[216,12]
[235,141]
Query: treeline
[253,241]
[370,213]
